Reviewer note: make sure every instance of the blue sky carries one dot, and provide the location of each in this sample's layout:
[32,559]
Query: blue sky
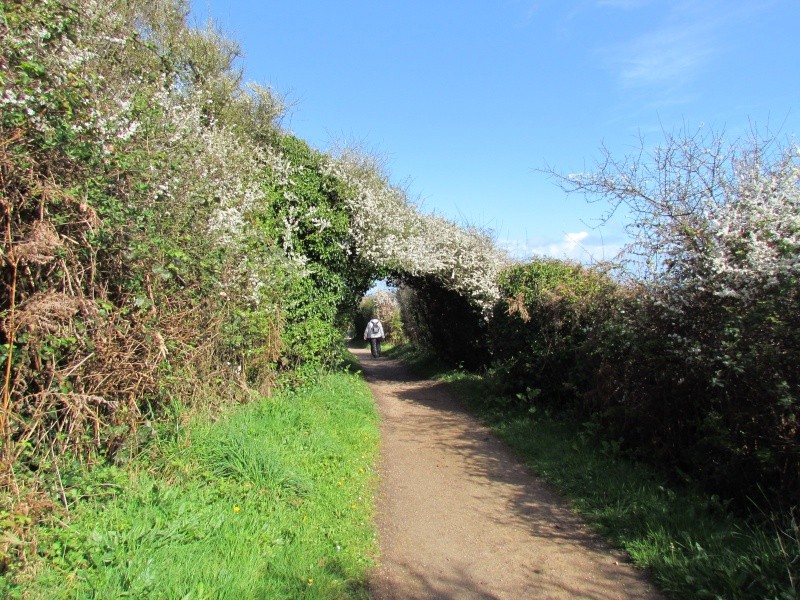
[467,99]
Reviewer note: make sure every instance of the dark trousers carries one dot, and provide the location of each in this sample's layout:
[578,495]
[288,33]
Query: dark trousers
[375,344]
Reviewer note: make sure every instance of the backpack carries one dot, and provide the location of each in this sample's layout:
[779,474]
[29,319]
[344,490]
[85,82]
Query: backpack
[374,327]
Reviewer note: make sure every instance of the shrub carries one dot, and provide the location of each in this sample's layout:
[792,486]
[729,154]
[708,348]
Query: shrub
[141,263]
[440,319]
[547,332]
[708,382]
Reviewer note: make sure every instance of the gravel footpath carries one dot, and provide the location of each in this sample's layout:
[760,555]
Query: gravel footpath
[459,517]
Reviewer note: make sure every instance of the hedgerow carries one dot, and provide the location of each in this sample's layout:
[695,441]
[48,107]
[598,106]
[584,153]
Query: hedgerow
[390,232]
[688,357]
[546,332]
[166,244]
[142,265]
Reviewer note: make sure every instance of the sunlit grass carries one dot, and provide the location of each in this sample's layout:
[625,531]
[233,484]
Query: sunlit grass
[274,500]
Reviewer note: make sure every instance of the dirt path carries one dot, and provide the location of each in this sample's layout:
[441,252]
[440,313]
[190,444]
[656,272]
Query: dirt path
[460,518]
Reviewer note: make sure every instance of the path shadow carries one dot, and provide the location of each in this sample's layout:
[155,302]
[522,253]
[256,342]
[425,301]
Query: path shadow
[533,505]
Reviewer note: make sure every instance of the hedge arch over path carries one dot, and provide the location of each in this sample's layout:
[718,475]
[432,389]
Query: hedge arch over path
[166,237]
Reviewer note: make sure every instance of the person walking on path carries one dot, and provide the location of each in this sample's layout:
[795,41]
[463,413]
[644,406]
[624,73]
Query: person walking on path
[374,333]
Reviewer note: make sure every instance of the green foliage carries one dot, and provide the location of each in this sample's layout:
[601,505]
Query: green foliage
[168,232]
[546,330]
[444,321]
[71,178]
[308,219]
[272,500]
[710,392]
[700,371]
[165,239]
[165,245]
[703,393]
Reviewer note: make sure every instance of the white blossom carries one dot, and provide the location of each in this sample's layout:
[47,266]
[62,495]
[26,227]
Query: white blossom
[388,230]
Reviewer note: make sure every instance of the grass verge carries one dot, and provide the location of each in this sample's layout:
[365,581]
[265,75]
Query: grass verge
[272,500]
[693,547]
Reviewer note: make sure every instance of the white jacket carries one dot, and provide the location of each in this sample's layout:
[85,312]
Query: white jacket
[369,334]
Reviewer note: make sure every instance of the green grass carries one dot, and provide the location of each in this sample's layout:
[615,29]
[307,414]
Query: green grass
[692,546]
[273,500]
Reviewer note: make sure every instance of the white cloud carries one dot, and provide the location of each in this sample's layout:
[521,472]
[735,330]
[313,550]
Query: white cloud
[580,246]
[574,239]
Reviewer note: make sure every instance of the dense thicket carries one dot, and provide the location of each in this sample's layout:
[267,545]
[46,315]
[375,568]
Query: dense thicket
[165,241]
[450,324]
[692,363]
[544,333]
